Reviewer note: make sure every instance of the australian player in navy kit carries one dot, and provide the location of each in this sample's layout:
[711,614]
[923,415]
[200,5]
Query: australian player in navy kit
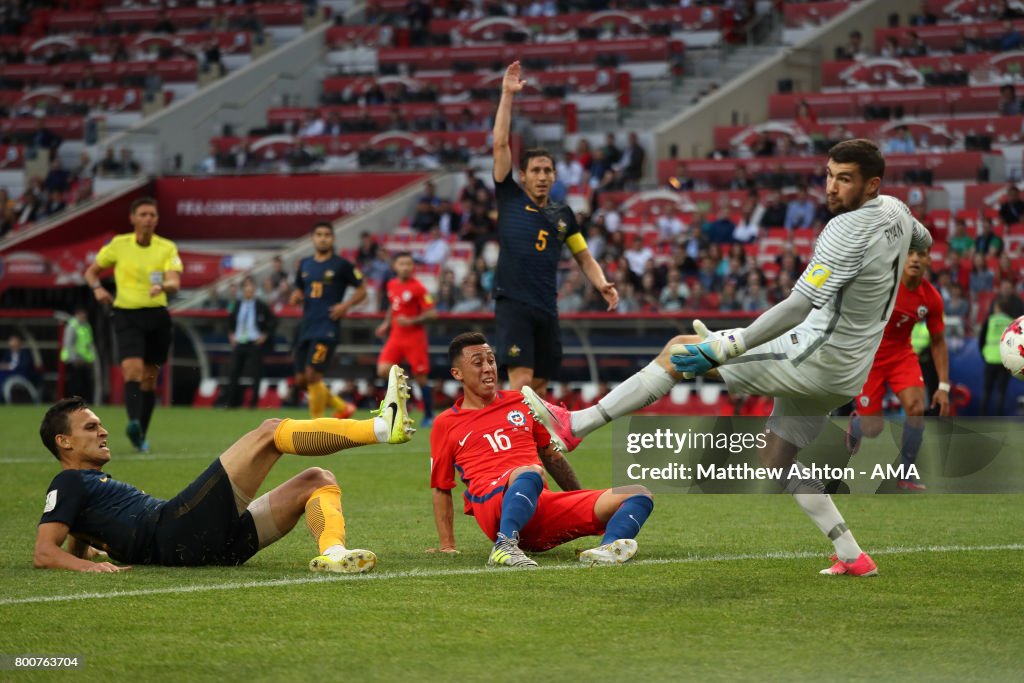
[320,284]
[215,519]
[532,231]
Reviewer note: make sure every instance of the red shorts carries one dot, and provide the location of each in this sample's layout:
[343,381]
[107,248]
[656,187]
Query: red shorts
[560,517]
[900,372]
[410,347]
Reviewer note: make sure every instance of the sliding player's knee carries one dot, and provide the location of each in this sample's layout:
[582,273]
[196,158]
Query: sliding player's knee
[538,469]
[318,477]
[632,490]
[914,408]
[266,430]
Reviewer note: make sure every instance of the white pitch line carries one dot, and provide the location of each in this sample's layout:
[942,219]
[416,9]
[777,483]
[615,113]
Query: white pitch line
[430,573]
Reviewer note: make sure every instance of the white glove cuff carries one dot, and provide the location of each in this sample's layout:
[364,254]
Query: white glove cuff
[733,343]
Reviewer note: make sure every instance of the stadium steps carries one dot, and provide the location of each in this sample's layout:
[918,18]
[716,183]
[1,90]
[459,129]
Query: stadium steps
[707,68]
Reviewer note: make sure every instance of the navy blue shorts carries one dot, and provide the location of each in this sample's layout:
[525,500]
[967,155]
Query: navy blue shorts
[527,337]
[201,525]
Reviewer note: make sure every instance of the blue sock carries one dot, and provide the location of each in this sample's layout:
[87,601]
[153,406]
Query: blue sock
[428,400]
[912,437]
[855,432]
[520,502]
[628,519]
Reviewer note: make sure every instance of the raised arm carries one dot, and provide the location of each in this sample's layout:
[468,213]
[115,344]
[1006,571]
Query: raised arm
[510,85]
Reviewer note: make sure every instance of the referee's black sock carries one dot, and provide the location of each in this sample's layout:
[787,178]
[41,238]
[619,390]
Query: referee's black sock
[133,400]
[148,403]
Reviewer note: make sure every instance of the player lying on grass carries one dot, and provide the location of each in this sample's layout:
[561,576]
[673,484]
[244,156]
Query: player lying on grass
[896,366]
[811,352]
[214,520]
[494,445]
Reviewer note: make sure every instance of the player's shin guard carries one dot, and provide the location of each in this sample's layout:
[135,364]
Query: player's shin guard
[913,435]
[628,519]
[810,495]
[322,436]
[324,517]
[520,502]
[317,399]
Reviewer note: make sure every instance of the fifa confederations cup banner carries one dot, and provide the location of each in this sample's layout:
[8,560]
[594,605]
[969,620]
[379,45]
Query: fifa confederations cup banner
[267,206]
[721,455]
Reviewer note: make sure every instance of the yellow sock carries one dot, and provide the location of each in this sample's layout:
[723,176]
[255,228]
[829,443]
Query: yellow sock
[322,436]
[317,399]
[324,517]
[336,403]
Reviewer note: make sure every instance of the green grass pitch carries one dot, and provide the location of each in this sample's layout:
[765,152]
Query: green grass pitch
[724,588]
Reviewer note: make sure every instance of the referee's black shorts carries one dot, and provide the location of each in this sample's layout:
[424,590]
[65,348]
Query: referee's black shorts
[143,333]
[527,337]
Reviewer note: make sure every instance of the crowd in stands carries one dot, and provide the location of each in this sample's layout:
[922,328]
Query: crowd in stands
[62,188]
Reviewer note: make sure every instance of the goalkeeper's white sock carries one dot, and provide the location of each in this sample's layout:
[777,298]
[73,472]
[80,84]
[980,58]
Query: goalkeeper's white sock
[640,390]
[810,495]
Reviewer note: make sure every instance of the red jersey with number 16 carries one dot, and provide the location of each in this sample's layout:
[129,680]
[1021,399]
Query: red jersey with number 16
[484,446]
[912,305]
[409,299]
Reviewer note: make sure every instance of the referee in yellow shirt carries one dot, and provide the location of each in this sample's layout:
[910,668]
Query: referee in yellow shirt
[146,269]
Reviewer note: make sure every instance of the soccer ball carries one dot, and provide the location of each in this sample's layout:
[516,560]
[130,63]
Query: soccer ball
[1011,348]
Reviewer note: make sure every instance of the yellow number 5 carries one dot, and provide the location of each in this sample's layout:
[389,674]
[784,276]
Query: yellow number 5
[542,240]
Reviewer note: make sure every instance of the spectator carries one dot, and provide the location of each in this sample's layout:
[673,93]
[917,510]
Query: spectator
[313,126]
[754,299]
[630,166]
[446,291]
[570,294]
[901,142]
[1010,38]
[1012,209]
[471,299]
[728,298]
[448,219]
[108,166]
[278,272]
[916,47]
[891,48]
[1008,105]
[435,251]
[54,203]
[741,179]
[774,214]
[959,241]
[424,219]
[801,211]
[747,229]
[42,139]
[129,166]
[782,288]
[596,240]
[479,228]
[675,292]
[682,181]
[570,171]
[638,255]
[670,226]
[472,190]
[164,24]
[982,279]
[720,230]
[988,242]
[956,305]
[58,178]
[804,114]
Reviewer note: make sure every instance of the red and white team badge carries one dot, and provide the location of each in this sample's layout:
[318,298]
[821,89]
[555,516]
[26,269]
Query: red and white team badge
[516,418]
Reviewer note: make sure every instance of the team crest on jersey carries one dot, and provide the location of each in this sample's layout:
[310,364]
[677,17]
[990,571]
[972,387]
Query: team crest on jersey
[817,275]
[561,229]
[516,418]
[864,401]
[922,311]
[514,351]
[406,295]
[328,277]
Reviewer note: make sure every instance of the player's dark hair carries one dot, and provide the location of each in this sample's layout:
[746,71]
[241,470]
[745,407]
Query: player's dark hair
[401,254]
[57,421]
[864,153]
[141,201]
[524,158]
[462,341]
[323,224]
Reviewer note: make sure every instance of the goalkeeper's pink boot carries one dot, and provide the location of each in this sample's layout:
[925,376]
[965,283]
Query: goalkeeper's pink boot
[556,419]
[862,566]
